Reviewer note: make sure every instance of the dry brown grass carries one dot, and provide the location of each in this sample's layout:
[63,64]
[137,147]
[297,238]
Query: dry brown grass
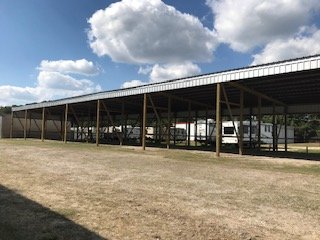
[110,192]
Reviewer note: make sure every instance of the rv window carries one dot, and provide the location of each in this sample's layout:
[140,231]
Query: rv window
[228,130]
[245,129]
[265,128]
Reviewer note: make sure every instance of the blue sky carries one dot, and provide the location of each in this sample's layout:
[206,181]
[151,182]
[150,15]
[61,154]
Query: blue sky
[51,49]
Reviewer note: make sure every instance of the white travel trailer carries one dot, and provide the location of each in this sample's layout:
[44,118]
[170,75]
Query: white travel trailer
[266,133]
[198,132]
[201,131]
[178,134]
[229,135]
[184,126]
[132,133]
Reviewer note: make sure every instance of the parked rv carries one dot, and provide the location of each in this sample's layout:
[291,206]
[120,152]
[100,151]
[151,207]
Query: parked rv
[230,131]
[201,134]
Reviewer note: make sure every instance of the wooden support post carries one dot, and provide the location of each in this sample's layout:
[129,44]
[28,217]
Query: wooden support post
[250,128]
[144,121]
[29,130]
[206,129]
[43,124]
[169,123]
[112,121]
[125,128]
[196,129]
[241,124]
[66,110]
[98,123]
[175,129]
[11,125]
[218,120]
[122,123]
[285,130]
[259,123]
[230,112]
[25,124]
[274,131]
[189,121]
[61,127]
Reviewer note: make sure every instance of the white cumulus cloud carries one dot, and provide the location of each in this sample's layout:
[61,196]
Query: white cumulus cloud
[298,46]
[149,32]
[52,83]
[161,73]
[245,25]
[82,66]
[12,95]
[132,83]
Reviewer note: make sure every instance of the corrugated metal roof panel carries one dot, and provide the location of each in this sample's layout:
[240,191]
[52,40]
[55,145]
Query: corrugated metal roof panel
[289,66]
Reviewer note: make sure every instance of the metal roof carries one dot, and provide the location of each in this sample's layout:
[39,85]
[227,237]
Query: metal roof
[293,82]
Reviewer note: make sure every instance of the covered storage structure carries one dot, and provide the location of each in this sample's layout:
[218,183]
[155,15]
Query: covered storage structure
[279,88]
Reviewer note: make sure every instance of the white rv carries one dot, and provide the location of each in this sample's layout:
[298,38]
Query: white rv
[266,133]
[178,134]
[229,135]
[184,126]
[133,133]
[201,131]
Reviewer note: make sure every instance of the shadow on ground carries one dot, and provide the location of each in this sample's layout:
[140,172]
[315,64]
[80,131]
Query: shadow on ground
[251,152]
[22,218]
[292,155]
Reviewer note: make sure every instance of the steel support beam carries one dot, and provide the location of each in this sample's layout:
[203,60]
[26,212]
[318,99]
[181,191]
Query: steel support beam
[182,99]
[256,93]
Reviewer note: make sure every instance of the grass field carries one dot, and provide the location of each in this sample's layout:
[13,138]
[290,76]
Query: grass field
[54,191]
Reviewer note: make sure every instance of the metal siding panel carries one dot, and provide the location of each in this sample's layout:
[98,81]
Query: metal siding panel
[251,74]
[246,74]
[260,72]
[313,64]
[306,65]
[241,75]
[294,67]
[288,68]
[272,69]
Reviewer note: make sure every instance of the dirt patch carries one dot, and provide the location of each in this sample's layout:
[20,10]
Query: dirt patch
[124,193]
